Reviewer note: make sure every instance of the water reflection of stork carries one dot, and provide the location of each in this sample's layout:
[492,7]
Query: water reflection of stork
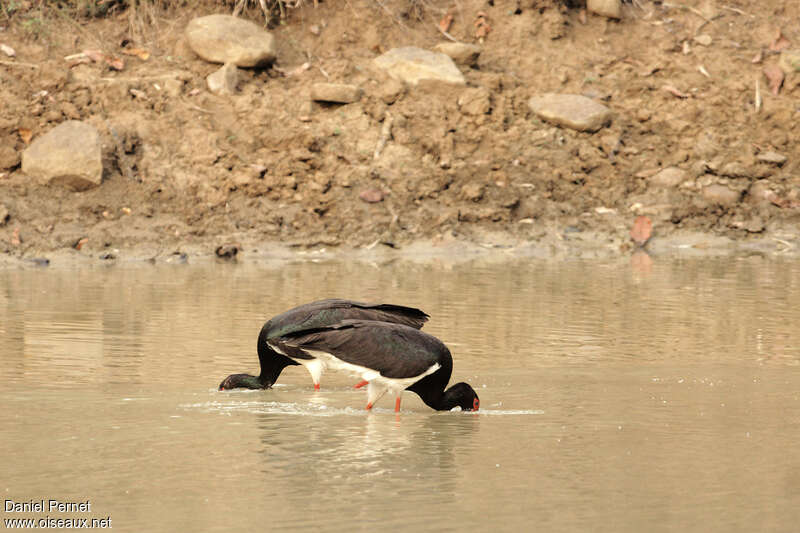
[371,455]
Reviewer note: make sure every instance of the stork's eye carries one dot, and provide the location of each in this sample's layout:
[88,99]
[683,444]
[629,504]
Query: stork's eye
[476,403]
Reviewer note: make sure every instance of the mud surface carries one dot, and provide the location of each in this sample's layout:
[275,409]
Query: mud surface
[267,168]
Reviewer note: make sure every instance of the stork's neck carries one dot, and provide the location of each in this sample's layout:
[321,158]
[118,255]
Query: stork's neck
[272,364]
[251,382]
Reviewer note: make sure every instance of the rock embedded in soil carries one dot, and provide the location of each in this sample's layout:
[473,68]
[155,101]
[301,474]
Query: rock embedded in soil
[173,87]
[391,90]
[227,39]
[720,194]
[703,39]
[464,54]
[412,65]
[475,101]
[228,251]
[305,111]
[224,80]
[706,146]
[753,225]
[669,178]
[773,158]
[4,215]
[571,110]
[371,196]
[70,110]
[775,78]
[473,191]
[735,169]
[69,154]
[9,158]
[790,61]
[607,8]
[339,93]
[760,193]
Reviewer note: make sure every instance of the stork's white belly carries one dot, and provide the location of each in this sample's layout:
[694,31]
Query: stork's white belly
[367,374]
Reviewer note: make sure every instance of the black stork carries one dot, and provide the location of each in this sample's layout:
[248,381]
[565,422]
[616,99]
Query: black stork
[389,357]
[307,316]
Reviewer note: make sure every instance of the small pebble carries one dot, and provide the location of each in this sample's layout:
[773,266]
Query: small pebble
[703,39]
[773,158]
[371,196]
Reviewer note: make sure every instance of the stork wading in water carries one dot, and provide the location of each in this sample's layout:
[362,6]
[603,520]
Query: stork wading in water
[389,357]
[306,317]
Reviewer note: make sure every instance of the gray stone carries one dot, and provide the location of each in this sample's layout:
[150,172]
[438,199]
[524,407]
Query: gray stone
[9,158]
[606,8]
[669,178]
[571,111]
[227,39]
[720,194]
[773,158]
[339,93]
[224,80]
[464,54]
[412,65]
[4,215]
[475,101]
[69,154]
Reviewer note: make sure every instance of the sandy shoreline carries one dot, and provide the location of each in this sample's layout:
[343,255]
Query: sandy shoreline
[690,244]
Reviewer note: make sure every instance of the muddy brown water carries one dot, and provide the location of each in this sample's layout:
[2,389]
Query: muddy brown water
[615,396]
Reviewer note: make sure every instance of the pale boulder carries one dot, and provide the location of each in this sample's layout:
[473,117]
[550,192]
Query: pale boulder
[669,178]
[607,8]
[339,93]
[70,154]
[227,39]
[571,110]
[465,54]
[721,195]
[224,80]
[412,65]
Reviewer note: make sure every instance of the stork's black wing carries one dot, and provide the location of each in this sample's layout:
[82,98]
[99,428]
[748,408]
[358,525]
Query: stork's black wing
[327,312]
[394,350]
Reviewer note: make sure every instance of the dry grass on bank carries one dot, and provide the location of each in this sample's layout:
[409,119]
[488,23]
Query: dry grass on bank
[33,15]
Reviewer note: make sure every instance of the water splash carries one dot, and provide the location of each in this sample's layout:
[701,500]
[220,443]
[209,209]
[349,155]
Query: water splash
[318,409]
[284,408]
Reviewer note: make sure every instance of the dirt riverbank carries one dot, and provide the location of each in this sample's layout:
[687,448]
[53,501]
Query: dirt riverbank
[692,145]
